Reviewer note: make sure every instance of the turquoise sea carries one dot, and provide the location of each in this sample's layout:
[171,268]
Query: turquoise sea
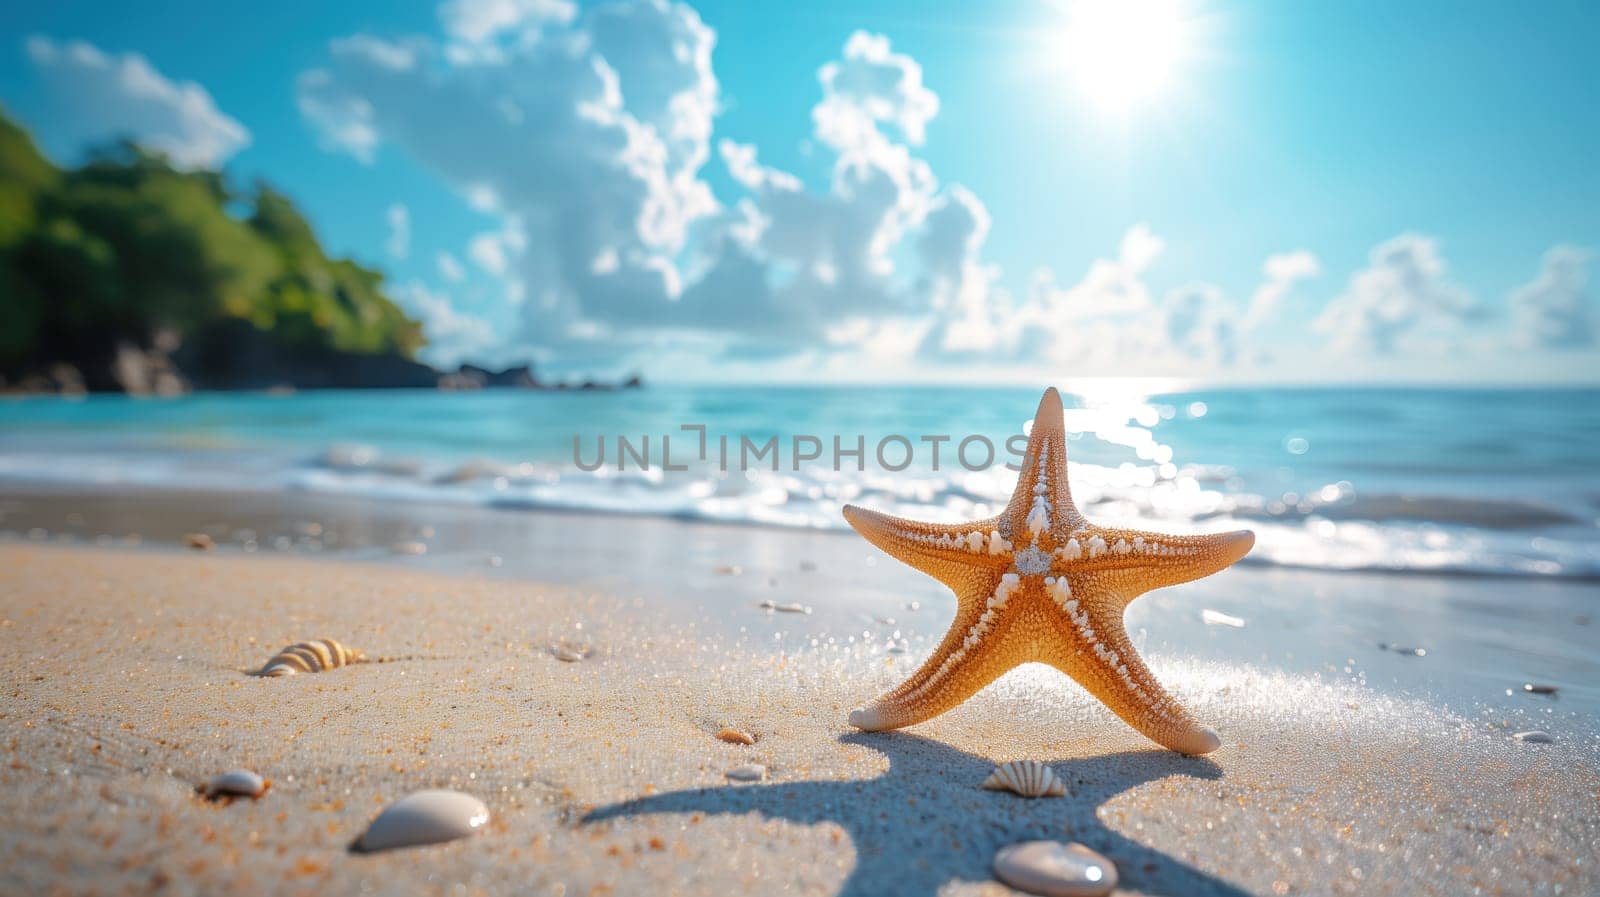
[1470,481]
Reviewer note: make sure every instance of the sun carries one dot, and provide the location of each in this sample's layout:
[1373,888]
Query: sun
[1123,54]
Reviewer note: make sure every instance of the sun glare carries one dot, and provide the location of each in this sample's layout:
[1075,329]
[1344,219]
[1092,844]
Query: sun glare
[1125,53]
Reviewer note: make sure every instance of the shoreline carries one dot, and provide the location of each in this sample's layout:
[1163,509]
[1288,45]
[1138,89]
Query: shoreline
[1482,635]
[126,671]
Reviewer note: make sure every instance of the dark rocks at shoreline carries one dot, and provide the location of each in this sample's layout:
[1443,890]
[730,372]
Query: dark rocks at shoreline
[233,355]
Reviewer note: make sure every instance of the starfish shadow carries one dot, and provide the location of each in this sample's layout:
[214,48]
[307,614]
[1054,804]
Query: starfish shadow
[925,822]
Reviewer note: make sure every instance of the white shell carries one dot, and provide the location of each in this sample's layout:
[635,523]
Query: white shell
[424,817]
[1054,869]
[1534,737]
[316,656]
[748,772]
[239,782]
[789,607]
[1029,778]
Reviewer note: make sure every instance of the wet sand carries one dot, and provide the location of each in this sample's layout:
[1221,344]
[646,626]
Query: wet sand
[1345,768]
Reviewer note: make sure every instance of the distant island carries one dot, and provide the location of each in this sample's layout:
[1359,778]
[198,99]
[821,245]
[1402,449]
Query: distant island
[128,275]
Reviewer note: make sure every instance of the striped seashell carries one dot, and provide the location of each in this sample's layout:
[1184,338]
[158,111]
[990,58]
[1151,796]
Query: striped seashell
[315,656]
[1029,778]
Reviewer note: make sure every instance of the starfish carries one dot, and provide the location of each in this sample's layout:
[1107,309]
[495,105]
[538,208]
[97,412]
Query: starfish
[1040,583]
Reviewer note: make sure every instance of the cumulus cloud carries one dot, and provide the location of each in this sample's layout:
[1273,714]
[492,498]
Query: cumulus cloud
[399,242]
[1553,310]
[1403,296]
[1200,323]
[479,23]
[450,268]
[1282,271]
[97,97]
[453,336]
[585,135]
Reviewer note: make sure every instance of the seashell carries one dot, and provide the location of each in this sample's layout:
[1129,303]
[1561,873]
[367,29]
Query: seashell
[199,541]
[789,607]
[1055,869]
[734,736]
[235,783]
[1534,737]
[316,656]
[567,654]
[1029,778]
[747,772]
[424,817]
[727,570]
[409,548]
[1536,689]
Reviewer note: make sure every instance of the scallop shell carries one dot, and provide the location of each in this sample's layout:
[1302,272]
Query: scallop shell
[235,783]
[315,656]
[1029,778]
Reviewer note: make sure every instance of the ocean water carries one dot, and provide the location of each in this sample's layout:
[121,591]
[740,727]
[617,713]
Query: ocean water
[1468,481]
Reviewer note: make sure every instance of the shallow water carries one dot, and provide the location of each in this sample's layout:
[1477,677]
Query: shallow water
[1478,481]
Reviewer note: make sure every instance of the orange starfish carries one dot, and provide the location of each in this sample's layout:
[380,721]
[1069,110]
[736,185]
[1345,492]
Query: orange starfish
[1040,583]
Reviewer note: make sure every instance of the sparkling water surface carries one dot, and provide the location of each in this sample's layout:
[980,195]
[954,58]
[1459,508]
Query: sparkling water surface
[1484,481]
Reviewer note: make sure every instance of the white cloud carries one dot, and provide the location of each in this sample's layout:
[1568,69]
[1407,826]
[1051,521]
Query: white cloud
[1282,271]
[1553,310]
[582,134]
[479,22]
[97,97]
[453,336]
[399,242]
[450,268]
[1201,324]
[489,252]
[872,86]
[1402,299]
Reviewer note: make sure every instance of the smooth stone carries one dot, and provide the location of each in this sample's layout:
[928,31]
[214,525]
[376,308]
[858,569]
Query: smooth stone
[1534,737]
[748,772]
[241,782]
[424,817]
[1054,869]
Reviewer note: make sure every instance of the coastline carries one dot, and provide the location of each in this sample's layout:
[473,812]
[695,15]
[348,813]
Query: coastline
[1345,768]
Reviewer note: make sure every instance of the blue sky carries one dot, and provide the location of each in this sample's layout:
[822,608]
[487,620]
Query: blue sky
[1423,175]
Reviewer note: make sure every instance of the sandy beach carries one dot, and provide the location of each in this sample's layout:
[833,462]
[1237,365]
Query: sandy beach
[1346,768]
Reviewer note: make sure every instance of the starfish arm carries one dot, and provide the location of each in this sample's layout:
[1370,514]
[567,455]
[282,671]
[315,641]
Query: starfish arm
[1094,649]
[1139,562]
[1042,500]
[945,552]
[971,655]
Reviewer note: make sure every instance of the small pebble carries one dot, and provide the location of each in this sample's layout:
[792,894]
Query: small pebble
[567,655]
[1054,869]
[235,783]
[199,542]
[728,570]
[734,736]
[1534,737]
[748,772]
[786,607]
[898,646]
[496,560]
[1535,689]
[424,817]
[808,566]
[408,548]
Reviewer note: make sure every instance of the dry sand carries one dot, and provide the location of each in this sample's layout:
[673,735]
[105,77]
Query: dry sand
[125,685]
